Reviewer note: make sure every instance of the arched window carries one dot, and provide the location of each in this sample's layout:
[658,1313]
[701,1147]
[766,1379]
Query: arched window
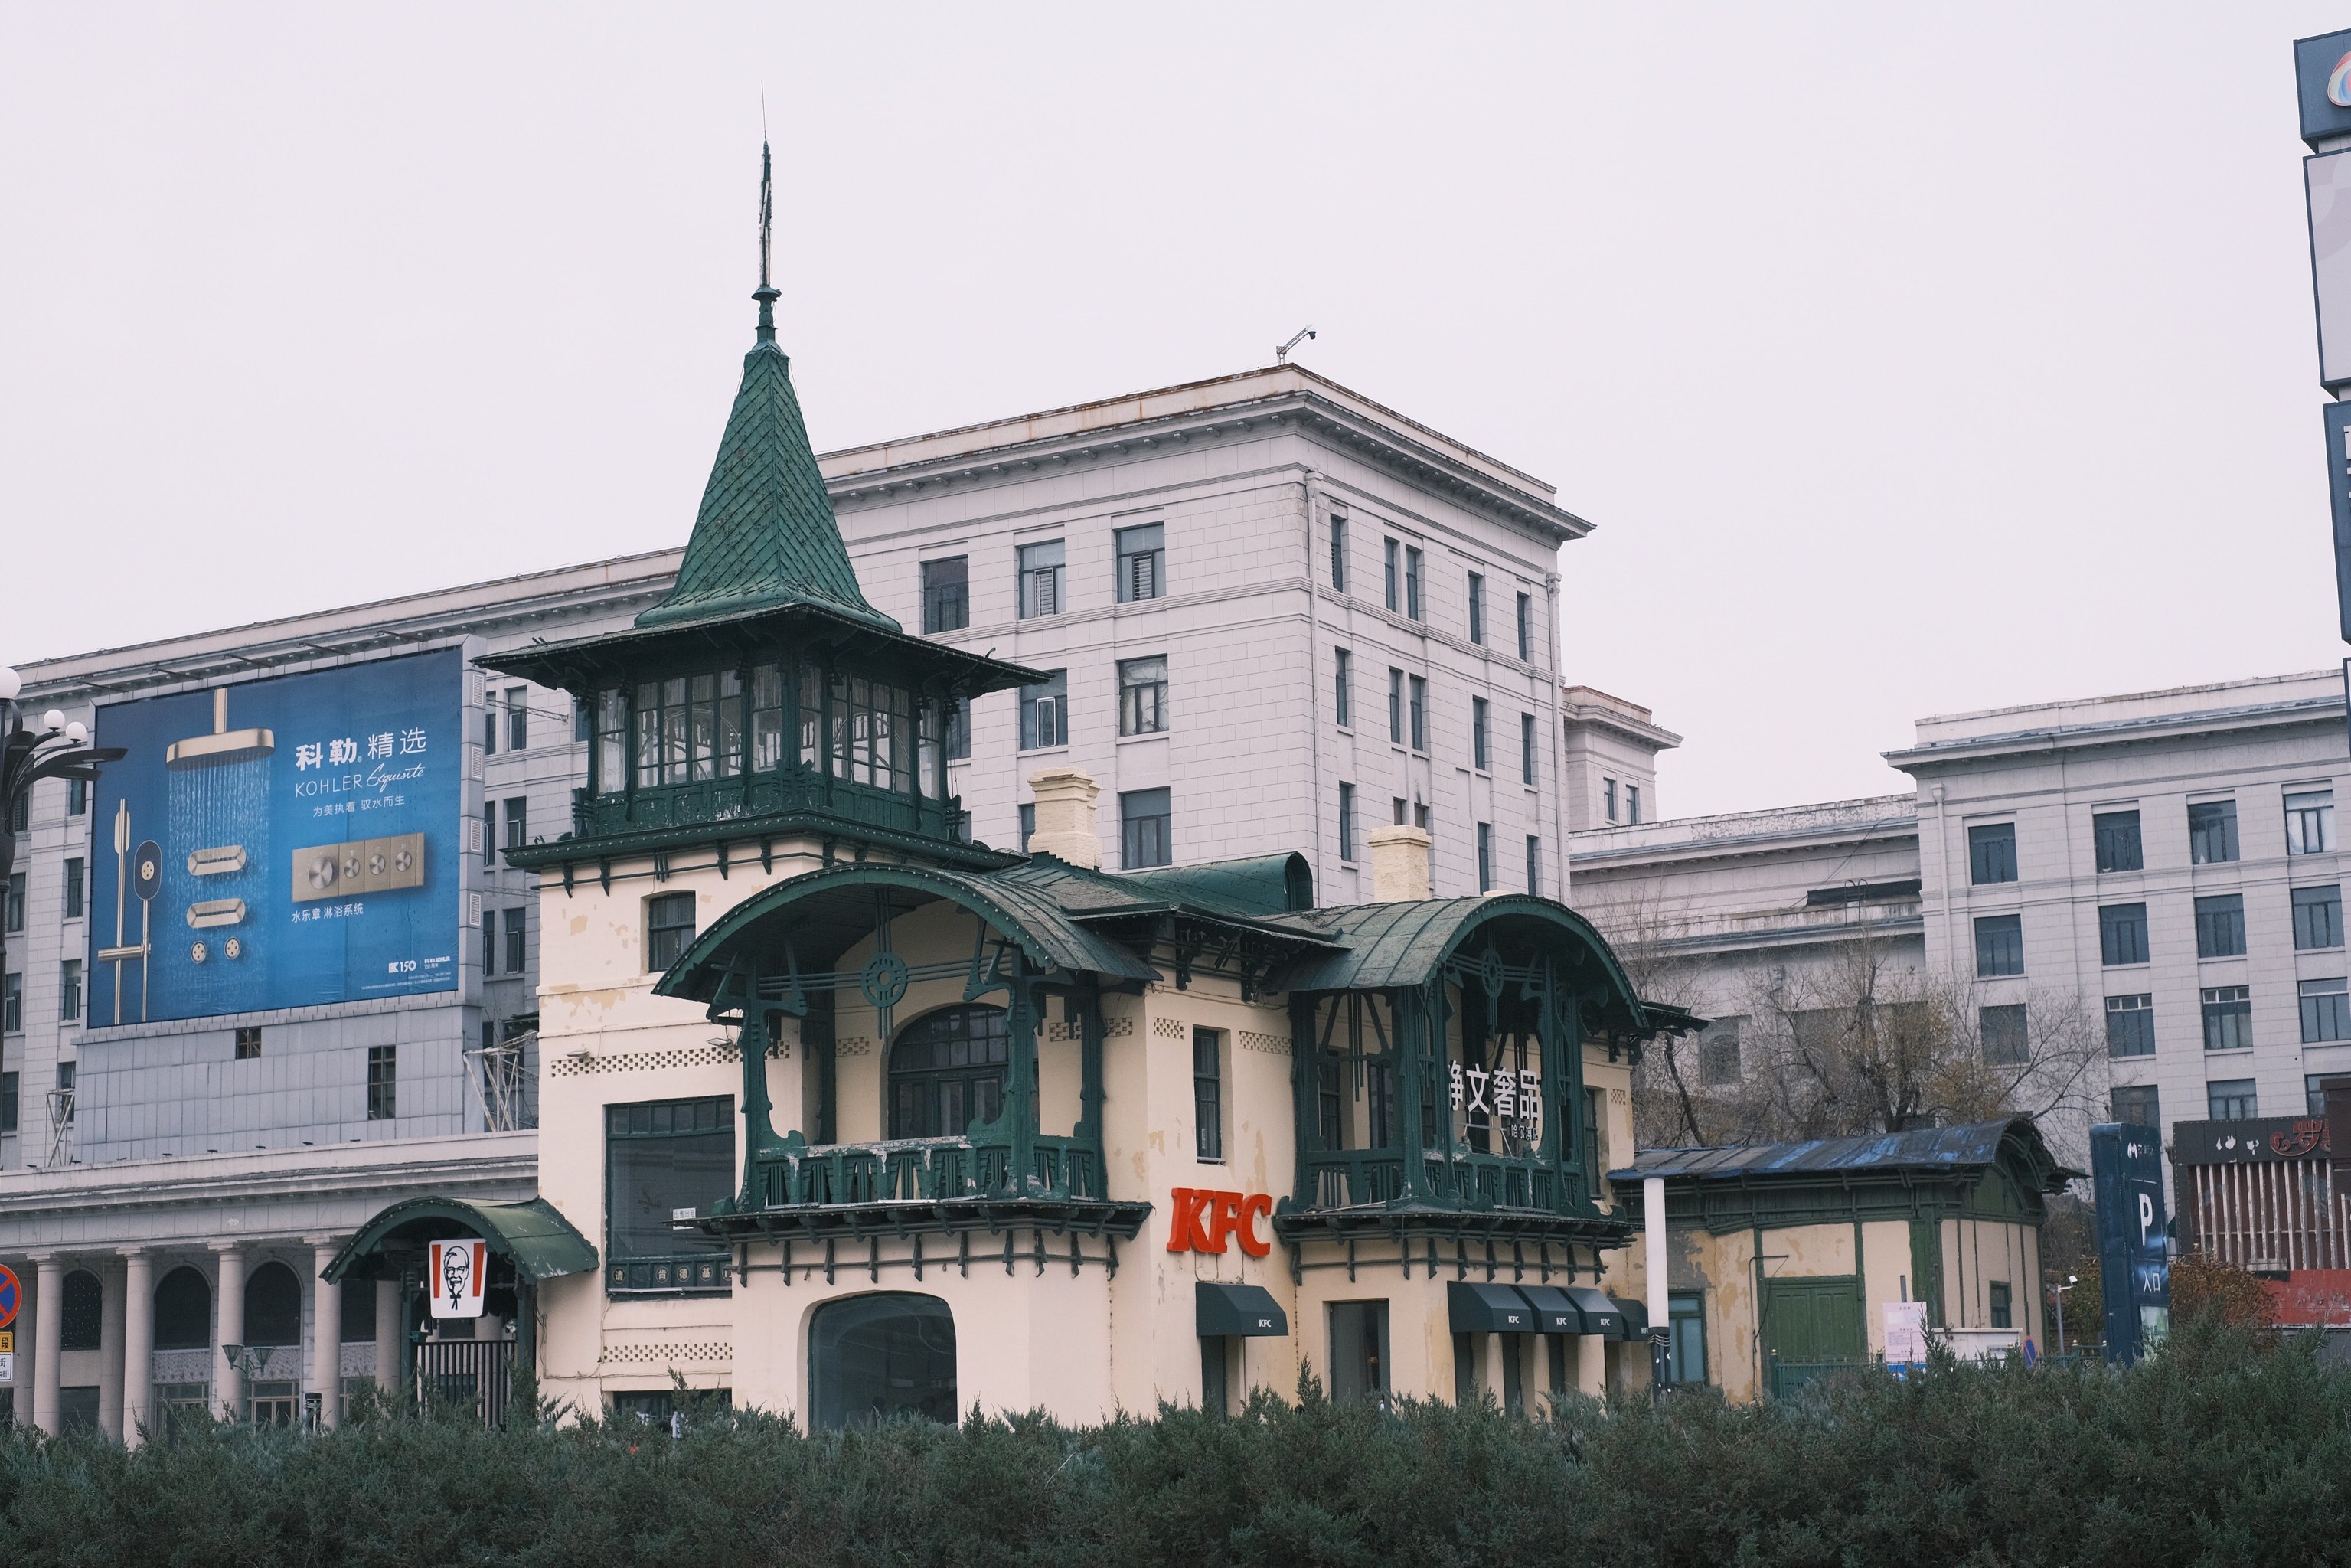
[273,1306]
[946,1071]
[184,1311]
[85,1311]
[872,1357]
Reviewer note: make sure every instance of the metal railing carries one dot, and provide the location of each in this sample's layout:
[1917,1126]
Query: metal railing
[923,1170]
[466,1371]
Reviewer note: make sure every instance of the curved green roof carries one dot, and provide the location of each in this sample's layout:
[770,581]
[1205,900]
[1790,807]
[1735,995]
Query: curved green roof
[1260,885]
[1392,945]
[542,1243]
[1046,936]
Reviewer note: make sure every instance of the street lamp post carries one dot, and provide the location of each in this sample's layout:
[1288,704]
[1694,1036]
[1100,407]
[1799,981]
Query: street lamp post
[49,748]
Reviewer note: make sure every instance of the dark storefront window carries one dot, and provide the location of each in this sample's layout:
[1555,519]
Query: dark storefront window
[873,1357]
[660,1156]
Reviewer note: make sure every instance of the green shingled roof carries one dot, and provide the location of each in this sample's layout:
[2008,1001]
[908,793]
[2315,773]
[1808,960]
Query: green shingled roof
[766,535]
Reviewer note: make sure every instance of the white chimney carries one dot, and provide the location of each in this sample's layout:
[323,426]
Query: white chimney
[1399,863]
[1065,816]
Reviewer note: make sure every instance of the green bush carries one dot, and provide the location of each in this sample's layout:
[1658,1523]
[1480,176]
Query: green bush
[2227,1448]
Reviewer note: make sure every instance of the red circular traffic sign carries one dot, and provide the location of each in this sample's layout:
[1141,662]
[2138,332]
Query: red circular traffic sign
[11,1295]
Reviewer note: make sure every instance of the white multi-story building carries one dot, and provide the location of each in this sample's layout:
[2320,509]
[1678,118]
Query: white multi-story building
[2165,861]
[1281,616]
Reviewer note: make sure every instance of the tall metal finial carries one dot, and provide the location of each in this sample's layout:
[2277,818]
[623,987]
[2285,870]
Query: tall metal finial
[767,293]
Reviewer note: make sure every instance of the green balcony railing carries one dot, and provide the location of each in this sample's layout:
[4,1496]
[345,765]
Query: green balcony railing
[923,1170]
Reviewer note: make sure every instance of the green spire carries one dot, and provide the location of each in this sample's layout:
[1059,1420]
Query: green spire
[766,535]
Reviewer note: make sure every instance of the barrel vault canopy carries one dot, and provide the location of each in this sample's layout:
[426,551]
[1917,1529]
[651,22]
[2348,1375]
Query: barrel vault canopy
[540,1241]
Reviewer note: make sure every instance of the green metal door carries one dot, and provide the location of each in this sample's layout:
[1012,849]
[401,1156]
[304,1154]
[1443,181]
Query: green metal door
[1812,1320]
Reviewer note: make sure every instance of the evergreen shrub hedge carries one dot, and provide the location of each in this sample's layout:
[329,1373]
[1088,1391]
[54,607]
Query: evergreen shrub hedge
[2230,1448]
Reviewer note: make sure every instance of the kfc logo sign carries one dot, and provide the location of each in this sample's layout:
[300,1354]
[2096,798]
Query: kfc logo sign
[1203,1220]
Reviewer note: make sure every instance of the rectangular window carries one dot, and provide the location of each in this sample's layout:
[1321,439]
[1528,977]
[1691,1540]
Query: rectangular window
[669,928]
[2212,832]
[612,741]
[489,942]
[2122,934]
[70,990]
[1344,698]
[1526,748]
[2318,916]
[2220,926]
[2116,834]
[2325,1013]
[490,724]
[67,1071]
[1144,824]
[517,821]
[767,726]
[517,718]
[16,911]
[1718,1054]
[959,730]
[1338,552]
[1040,580]
[1478,758]
[1359,1350]
[2137,1105]
[12,1003]
[1632,805]
[1028,826]
[248,1043]
[1526,628]
[2310,821]
[2314,1091]
[1142,696]
[947,594]
[77,797]
[1208,1094]
[1608,797]
[1686,1317]
[1396,707]
[75,881]
[1484,857]
[661,1157]
[1534,866]
[873,740]
[583,721]
[1477,608]
[1393,582]
[514,941]
[489,832]
[1991,853]
[7,1101]
[1412,582]
[2006,1035]
[2228,1018]
[2001,1304]
[2000,946]
[1419,713]
[382,1083]
[1141,562]
[2130,1025]
[2232,1099]
[1346,821]
[1045,713]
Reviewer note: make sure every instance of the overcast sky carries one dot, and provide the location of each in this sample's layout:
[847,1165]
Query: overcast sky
[1909,361]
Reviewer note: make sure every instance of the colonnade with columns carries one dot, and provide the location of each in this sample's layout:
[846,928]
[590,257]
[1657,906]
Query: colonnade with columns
[128,1277]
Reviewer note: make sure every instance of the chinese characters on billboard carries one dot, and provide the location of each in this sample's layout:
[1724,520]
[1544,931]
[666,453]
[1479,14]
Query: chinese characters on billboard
[280,844]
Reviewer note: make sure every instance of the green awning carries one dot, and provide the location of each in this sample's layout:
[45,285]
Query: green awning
[1248,1311]
[1472,1308]
[540,1241]
[1636,1319]
[1600,1314]
[1554,1313]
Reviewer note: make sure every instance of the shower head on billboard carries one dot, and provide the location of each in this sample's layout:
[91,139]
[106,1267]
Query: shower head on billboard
[222,746]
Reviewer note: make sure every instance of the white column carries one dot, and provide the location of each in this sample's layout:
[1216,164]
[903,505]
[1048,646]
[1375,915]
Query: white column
[1495,1350]
[49,1338]
[228,1307]
[389,1342]
[138,1343]
[326,1334]
[1592,1364]
[1653,1240]
[110,1350]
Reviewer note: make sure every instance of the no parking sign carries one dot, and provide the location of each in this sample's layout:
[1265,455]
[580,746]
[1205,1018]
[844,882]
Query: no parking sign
[11,1295]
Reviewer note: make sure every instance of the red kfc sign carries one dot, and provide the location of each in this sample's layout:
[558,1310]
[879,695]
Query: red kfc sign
[1204,1219]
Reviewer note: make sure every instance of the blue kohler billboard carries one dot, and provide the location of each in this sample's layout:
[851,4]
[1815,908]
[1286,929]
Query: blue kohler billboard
[280,844]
